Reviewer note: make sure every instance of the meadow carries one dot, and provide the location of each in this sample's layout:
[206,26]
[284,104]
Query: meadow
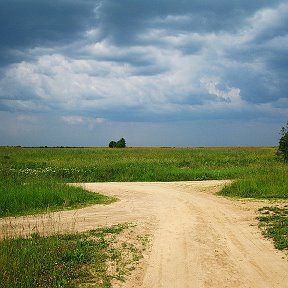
[33,180]
[259,173]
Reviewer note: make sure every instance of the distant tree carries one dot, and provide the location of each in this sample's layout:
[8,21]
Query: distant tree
[283,143]
[119,144]
[112,144]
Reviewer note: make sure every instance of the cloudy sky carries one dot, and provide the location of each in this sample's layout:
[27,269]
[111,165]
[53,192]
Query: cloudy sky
[156,72]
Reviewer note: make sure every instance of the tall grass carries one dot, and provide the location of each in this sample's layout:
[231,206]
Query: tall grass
[133,164]
[265,182]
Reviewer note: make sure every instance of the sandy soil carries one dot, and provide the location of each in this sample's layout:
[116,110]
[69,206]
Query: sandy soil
[198,239]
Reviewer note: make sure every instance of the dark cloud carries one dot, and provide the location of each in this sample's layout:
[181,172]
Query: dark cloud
[156,61]
[125,20]
[260,74]
[33,23]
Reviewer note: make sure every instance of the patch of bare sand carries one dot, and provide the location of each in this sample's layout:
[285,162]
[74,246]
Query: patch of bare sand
[198,239]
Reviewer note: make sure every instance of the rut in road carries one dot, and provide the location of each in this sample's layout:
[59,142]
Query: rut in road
[199,239]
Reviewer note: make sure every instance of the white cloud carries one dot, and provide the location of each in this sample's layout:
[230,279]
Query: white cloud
[149,77]
[268,19]
[91,84]
[226,94]
[73,120]
[80,120]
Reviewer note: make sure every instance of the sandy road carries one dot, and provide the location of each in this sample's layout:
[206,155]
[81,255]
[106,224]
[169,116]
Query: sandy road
[199,239]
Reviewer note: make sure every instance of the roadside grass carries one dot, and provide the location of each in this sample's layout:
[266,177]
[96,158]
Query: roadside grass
[264,183]
[35,197]
[74,260]
[274,222]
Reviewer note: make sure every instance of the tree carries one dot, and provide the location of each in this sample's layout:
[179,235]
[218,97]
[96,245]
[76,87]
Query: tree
[119,144]
[112,144]
[283,143]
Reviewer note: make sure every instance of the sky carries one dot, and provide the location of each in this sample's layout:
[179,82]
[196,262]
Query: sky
[179,73]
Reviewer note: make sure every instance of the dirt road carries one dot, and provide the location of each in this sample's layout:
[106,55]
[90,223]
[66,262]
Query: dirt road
[199,239]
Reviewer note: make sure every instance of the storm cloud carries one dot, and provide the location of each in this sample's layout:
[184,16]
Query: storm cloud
[100,66]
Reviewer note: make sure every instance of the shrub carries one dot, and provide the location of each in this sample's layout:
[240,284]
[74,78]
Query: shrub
[283,143]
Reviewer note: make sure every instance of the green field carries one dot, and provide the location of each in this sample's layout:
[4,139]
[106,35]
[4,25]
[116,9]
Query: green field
[32,180]
[135,164]
[27,174]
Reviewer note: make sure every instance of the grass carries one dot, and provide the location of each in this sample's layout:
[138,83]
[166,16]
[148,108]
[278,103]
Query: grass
[274,222]
[265,182]
[28,174]
[32,180]
[133,164]
[65,260]
[34,197]
[260,173]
